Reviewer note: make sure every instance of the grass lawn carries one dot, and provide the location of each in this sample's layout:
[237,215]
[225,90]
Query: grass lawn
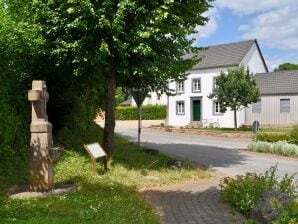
[108,198]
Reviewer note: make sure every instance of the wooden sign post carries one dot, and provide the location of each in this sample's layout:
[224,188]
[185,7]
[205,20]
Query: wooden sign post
[96,151]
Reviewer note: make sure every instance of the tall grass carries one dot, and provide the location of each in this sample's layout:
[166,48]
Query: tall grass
[280,148]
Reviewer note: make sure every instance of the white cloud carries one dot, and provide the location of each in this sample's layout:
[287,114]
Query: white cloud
[274,29]
[209,29]
[245,7]
[274,61]
[275,22]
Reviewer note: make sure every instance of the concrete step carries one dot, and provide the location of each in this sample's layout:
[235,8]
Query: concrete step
[194,124]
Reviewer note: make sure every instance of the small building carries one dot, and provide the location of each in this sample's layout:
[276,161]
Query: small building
[153,98]
[126,103]
[278,105]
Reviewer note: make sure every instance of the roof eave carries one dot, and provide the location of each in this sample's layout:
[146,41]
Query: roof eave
[212,67]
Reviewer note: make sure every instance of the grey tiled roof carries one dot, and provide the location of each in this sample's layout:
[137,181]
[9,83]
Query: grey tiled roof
[274,83]
[224,55]
[126,102]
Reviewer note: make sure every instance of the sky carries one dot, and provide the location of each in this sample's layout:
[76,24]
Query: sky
[274,23]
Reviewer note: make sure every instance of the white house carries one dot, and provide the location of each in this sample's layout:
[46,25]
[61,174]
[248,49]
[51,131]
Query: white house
[191,104]
[278,105]
[154,98]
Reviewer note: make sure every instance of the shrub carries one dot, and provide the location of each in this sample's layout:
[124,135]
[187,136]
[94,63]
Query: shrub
[294,135]
[267,137]
[280,147]
[289,215]
[150,112]
[244,191]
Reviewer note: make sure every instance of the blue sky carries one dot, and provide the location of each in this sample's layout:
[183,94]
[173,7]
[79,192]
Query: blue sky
[274,23]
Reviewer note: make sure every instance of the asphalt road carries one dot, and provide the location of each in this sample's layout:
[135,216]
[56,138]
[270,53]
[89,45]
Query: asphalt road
[222,154]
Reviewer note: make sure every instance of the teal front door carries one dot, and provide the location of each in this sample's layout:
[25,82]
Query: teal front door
[196,110]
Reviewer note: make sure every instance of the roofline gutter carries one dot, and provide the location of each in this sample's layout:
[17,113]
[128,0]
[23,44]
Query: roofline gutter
[278,94]
[213,67]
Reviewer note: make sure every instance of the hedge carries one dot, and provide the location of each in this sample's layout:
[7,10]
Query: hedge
[266,137]
[150,112]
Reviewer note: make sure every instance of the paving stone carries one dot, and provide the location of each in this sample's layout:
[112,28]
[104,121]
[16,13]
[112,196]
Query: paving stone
[195,203]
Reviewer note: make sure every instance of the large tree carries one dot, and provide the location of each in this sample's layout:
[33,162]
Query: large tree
[235,89]
[127,43]
[286,66]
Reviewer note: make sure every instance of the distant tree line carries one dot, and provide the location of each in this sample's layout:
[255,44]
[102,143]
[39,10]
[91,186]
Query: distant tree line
[286,66]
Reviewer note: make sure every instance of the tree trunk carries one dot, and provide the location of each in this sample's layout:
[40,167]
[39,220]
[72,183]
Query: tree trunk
[235,119]
[110,89]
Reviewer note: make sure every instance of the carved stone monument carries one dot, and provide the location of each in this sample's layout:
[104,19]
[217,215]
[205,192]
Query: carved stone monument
[42,153]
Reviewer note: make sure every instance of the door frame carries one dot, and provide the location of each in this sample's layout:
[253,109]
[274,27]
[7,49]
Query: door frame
[191,107]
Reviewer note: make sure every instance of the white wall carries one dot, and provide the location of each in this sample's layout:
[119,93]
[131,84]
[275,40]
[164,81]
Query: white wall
[254,60]
[270,111]
[207,113]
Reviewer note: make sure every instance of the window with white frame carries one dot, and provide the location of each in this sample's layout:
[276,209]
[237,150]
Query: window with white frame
[216,107]
[257,107]
[180,108]
[196,85]
[180,87]
[284,105]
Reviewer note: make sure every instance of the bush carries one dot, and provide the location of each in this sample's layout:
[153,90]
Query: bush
[14,127]
[267,137]
[289,215]
[280,147]
[244,191]
[150,112]
[294,135]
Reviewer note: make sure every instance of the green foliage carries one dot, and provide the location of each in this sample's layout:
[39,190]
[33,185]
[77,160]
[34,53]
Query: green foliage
[269,137]
[294,135]
[73,100]
[280,148]
[286,66]
[289,215]
[14,108]
[235,89]
[134,44]
[120,96]
[244,191]
[150,112]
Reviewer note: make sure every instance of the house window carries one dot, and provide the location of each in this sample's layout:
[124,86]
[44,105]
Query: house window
[180,108]
[196,85]
[216,107]
[180,87]
[284,105]
[257,107]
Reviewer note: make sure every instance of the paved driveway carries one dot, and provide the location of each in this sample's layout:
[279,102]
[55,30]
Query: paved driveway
[200,202]
[222,154]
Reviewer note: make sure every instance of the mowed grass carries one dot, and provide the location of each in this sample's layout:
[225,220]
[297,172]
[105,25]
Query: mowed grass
[105,198]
